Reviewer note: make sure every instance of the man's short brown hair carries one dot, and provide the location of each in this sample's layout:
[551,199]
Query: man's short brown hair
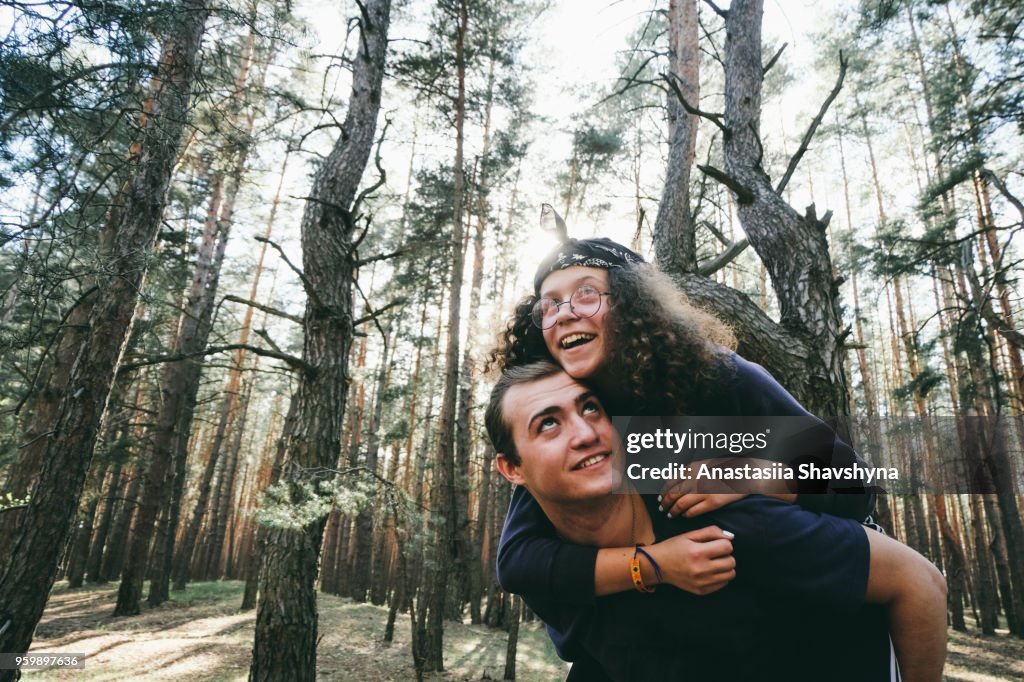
[499,430]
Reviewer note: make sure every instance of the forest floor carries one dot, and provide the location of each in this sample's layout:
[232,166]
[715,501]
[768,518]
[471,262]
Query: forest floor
[201,635]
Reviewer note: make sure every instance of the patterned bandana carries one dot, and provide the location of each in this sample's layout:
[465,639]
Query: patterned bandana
[591,253]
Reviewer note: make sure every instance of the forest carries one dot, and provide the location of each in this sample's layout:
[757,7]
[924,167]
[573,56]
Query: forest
[254,257]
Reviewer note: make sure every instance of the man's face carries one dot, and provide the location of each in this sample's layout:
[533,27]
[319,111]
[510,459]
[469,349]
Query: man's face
[568,449]
[579,344]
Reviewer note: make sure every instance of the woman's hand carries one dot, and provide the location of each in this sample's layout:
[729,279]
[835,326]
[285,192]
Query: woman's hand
[700,561]
[676,503]
[694,497]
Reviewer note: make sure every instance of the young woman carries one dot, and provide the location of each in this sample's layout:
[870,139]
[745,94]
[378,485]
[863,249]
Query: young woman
[608,318]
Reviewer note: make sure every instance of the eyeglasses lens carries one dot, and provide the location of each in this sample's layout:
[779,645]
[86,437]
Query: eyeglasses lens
[584,302]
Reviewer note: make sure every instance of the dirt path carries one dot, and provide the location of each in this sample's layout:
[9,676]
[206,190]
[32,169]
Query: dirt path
[202,636]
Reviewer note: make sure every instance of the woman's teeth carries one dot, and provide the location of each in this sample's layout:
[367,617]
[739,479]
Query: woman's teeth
[577,339]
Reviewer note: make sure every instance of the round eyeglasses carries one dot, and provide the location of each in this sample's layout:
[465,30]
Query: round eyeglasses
[584,302]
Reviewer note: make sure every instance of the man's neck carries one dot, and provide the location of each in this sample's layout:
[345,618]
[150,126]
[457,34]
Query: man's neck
[608,521]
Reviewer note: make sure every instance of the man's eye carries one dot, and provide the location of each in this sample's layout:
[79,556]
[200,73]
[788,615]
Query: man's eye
[547,423]
[591,408]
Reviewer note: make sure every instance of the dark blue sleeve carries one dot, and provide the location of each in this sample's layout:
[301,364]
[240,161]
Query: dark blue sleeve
[810,557]
[535,563]
[756,392]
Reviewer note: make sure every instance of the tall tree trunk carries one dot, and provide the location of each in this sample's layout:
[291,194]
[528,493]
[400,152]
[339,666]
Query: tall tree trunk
[418,574]
[675,243]
[222,507]
[445,546]
[466,570]
[183,559]
[874,441]
[365,546]
[179,385]
[805,349]
[93,572]
[113,557]
[239,154]
[286,619]
[513,639]
[79,550]
[29,569]
[793,247]
[270,472]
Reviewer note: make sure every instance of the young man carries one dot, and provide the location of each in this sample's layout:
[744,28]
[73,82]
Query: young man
[814,597]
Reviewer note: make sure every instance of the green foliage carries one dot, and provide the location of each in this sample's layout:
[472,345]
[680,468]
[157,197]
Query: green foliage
[1002,30]
[961,172]
[921,385]
[298,503]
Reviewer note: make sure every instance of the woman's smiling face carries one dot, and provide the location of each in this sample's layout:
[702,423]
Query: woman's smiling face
[580,345]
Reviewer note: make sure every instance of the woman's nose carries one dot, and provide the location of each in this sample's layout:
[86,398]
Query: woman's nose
[565,311]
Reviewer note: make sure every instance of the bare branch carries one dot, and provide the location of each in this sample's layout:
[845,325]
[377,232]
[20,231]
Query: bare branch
[292,361]
[771,62]
[713,229]
[381,175]
[306,284]
[373,315]
[793,162]
[712,266]
[743,194]
[714,118]
[265,335]
[632,81]
[717,10]
[364,24]
[384,256]
[1001,186]
[265,308]
[983,303]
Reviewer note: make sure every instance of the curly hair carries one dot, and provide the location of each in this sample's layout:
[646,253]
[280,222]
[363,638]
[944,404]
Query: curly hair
[663,347]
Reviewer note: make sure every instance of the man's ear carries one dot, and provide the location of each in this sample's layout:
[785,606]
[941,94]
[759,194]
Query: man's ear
[509,470]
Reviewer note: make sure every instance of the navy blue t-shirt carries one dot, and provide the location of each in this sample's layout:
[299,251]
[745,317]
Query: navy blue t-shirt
[545,570]
[533,560]
[795,611]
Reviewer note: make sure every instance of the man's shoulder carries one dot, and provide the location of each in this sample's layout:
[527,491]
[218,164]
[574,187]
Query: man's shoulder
[763,518]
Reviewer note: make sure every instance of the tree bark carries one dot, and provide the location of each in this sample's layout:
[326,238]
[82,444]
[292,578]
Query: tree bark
[365,545]
[93,572]
[467,570]
[444,499]
[179,386]
[793,248]
[513,639]
[126,243]
[183,558]
[79,550]
[286,619]
[675,243]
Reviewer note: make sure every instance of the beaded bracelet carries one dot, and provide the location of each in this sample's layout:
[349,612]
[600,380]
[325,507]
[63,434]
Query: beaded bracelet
[634,569]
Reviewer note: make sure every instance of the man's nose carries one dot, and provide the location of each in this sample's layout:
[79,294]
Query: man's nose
[583,432]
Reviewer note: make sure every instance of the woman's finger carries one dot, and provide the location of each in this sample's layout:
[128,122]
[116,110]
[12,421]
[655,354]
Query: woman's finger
[682,504]
[671,493]
[712,502]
